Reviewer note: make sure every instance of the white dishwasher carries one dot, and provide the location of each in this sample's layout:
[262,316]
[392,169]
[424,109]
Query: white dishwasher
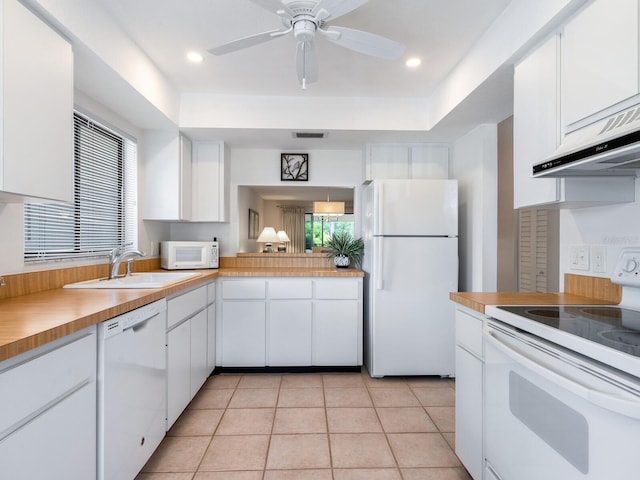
[131,390]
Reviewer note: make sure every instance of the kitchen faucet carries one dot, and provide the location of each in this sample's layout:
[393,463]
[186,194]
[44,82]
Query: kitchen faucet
[117,256]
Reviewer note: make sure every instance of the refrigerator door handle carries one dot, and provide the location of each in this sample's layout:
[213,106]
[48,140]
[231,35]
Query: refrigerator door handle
[378,207]
[379,267]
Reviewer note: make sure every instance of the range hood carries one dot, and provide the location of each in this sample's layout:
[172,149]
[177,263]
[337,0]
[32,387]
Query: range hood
[609,147]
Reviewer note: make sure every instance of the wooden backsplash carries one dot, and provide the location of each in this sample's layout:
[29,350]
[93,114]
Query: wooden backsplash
[277,260]
[592,287]
[34,282]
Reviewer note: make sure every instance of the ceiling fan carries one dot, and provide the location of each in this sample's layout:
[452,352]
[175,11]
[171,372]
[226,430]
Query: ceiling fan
[306,17]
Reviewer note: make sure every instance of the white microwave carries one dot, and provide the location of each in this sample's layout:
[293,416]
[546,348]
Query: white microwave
[175,255]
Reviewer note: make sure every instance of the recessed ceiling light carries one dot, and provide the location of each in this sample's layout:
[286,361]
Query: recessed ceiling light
[194,57]
[413,62]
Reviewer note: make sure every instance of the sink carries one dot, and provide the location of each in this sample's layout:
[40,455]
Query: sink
[135,280]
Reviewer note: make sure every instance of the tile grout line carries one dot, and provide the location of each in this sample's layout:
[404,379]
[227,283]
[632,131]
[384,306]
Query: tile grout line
[224,410]
[386,437]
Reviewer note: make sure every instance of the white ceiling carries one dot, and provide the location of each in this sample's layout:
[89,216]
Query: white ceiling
[440,32]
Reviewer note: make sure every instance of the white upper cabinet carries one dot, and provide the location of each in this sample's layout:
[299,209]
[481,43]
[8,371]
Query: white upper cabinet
[406,161]
[167,176]
[535,123]
[36,108]
[184,181]
[210,180]
[536,135]
[600,58]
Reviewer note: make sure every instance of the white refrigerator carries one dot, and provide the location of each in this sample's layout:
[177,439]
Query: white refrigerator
[410,230]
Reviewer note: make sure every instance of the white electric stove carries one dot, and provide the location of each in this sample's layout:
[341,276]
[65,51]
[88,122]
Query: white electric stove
[562,387]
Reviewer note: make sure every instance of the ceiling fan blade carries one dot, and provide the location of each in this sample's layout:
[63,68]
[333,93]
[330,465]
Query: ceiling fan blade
[273,6]
[337,8]
[247,42]
[307,63]
[365,42]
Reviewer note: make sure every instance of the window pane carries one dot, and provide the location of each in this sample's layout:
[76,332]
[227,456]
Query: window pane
[318,230]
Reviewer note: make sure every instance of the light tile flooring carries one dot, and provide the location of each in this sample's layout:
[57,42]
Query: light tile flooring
[315,426]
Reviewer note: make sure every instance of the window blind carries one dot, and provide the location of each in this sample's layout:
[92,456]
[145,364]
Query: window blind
[103,214]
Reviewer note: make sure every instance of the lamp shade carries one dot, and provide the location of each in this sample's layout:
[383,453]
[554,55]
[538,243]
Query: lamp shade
[328,208]
[268,235]
[282,236]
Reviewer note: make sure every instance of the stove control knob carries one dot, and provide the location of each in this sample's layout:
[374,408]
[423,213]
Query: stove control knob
[631,265]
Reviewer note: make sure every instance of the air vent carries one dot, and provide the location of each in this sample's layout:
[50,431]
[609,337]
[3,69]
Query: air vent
[309,134]
[621,120]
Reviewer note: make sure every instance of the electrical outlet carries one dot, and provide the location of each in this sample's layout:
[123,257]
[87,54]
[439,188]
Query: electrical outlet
[579,257]
[598,258]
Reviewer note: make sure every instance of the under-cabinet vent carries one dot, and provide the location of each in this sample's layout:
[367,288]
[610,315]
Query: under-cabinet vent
[621,120]
[309,135]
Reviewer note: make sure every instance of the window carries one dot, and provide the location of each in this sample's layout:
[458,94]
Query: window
[103,214]
[317,230]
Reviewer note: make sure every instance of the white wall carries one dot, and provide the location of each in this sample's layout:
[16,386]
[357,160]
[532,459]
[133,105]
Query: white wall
[614,227]
[474,165]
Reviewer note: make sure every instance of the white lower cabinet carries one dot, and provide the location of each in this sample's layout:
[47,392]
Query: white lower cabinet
[211,326]
[187,349]
[48,411]
[243,333]
[469,393]
[290,322]
[337,337]
[178,371]
[198,352]
[290,332]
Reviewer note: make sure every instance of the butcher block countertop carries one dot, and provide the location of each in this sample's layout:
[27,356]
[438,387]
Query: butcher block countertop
[579,290]
[35,309]
[289,272]
[479,300]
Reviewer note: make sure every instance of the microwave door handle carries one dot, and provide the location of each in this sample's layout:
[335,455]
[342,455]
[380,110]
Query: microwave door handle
[603,400]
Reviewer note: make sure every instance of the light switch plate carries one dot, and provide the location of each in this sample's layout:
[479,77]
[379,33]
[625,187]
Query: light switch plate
[579,257]
[598,254]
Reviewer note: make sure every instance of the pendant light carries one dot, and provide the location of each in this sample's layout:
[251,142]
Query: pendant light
[328,209]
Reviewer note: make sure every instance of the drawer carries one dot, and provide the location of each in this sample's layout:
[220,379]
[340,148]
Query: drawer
[244,289]
[185,305]
[211,293]
[284,289]
[45,374]
[469,332]
[340,289]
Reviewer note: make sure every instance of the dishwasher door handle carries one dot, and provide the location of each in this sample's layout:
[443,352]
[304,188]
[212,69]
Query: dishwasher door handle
[607,401]
[136,327]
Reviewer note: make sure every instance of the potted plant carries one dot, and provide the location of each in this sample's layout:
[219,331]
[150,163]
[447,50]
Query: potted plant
[344,249]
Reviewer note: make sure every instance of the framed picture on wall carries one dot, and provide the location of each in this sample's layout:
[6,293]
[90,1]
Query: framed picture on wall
[254,224]
[294,167]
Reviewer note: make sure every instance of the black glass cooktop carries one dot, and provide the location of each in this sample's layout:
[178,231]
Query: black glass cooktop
[615,327]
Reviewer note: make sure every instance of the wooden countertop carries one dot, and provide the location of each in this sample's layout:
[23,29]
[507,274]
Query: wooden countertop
[479,300]
[289,272]
[28,321]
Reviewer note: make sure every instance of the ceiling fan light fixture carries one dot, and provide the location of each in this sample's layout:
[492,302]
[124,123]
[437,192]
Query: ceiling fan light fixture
[305,18]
